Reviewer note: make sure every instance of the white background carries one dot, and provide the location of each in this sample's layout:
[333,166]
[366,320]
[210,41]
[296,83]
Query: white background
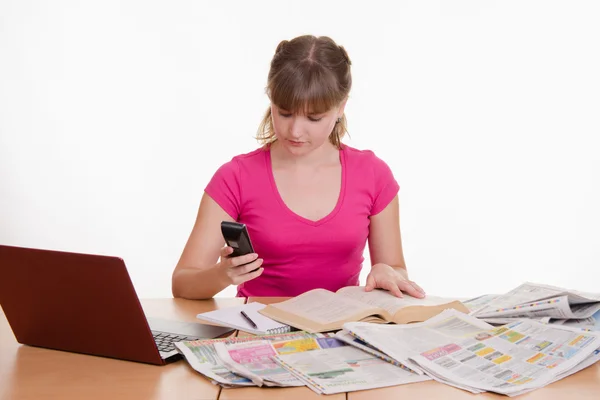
[115,114]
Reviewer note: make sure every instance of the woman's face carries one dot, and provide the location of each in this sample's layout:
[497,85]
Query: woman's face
[301,134]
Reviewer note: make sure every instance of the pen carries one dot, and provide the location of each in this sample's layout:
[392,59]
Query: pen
[247,318]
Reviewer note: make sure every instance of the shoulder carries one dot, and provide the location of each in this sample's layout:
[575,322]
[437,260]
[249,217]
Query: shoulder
[373,176]
[365,160]
[226,187]
[253,156]
[244,161]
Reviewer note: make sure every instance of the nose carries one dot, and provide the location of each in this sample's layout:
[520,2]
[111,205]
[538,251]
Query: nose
[295,127]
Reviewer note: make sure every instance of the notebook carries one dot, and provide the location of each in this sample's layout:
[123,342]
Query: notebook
[232,317]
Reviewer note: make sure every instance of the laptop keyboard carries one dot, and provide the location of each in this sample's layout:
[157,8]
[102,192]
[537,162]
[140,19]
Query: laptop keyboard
[165,341]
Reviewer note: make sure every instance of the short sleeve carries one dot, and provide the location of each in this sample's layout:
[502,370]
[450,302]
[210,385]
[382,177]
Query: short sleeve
[385,185]
[224,188]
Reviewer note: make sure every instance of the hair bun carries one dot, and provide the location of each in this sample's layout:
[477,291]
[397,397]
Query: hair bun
[345,55]
[280,46]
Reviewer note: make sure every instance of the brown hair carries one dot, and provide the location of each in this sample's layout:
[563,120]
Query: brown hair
[308,73]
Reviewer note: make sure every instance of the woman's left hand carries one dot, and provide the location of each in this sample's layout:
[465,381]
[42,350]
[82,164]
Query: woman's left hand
[393,280]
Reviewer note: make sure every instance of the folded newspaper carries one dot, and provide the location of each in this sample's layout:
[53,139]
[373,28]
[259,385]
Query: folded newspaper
[544,303]
[511,359]
[345,369]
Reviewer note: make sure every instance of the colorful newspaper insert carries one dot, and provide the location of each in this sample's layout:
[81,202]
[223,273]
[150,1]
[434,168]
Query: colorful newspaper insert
[202,357]
[254,359]
[512,358]
[345,369]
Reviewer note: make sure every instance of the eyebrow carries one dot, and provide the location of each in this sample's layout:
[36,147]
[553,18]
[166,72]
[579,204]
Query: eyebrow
[310,113]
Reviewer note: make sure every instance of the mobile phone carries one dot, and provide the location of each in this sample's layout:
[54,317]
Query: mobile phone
[236,236]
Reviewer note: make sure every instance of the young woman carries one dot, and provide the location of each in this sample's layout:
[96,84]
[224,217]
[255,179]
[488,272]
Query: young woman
[310,203]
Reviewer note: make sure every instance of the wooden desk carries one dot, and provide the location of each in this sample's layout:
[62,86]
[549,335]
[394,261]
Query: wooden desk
[34,373]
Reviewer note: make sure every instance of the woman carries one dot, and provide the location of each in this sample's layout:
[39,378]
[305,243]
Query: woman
[310,202]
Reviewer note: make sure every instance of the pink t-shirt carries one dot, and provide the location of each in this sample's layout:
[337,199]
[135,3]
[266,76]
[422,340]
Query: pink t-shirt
[300,254]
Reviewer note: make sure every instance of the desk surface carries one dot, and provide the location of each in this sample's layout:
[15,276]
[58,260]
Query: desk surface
[31,373]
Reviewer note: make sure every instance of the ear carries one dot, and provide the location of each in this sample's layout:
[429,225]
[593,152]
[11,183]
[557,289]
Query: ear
[342,108]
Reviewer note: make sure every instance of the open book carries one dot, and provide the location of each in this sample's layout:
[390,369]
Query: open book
[321,310]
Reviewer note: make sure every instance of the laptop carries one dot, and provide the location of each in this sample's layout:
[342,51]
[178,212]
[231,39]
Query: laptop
[86,303]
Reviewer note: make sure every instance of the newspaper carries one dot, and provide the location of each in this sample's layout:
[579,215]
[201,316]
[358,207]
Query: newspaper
[536,300]
[203,358]
[348,338]
[510,320]
[254,359]
[591,323]
[345,369]
[477,303]
[400,342]
[510,359]
[554,307]
[591,360]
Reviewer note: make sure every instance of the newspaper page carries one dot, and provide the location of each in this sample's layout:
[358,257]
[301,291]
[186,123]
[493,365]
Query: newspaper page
[345,369]
[591,324]
[510,320]
[254,359]
[591,360]
[555,307]
[203,358]
[511,358]
[348,338]
[532,292]
[400,342]
[477,303]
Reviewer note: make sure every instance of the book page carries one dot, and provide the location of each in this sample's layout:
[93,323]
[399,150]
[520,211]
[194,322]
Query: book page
[387,301]
[323,306]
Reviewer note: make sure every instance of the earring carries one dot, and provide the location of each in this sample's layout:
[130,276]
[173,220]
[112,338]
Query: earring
[338,120]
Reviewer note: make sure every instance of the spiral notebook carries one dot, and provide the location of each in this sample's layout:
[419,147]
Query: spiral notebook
[233,318]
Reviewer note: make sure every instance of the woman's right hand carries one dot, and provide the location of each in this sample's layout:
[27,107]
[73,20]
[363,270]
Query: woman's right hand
[234,270]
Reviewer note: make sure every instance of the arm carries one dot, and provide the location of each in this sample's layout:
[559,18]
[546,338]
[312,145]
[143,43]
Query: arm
[198,275]
[388,268]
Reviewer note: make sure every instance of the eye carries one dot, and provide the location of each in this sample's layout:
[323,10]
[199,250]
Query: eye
[285,115]
[313,119]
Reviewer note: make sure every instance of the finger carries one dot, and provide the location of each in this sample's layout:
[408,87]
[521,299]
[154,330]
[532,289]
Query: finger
[408,288]
[419,288]
[247,277]
[225,251]
[370,283]
[392,287]
[245,259]
[247,268]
